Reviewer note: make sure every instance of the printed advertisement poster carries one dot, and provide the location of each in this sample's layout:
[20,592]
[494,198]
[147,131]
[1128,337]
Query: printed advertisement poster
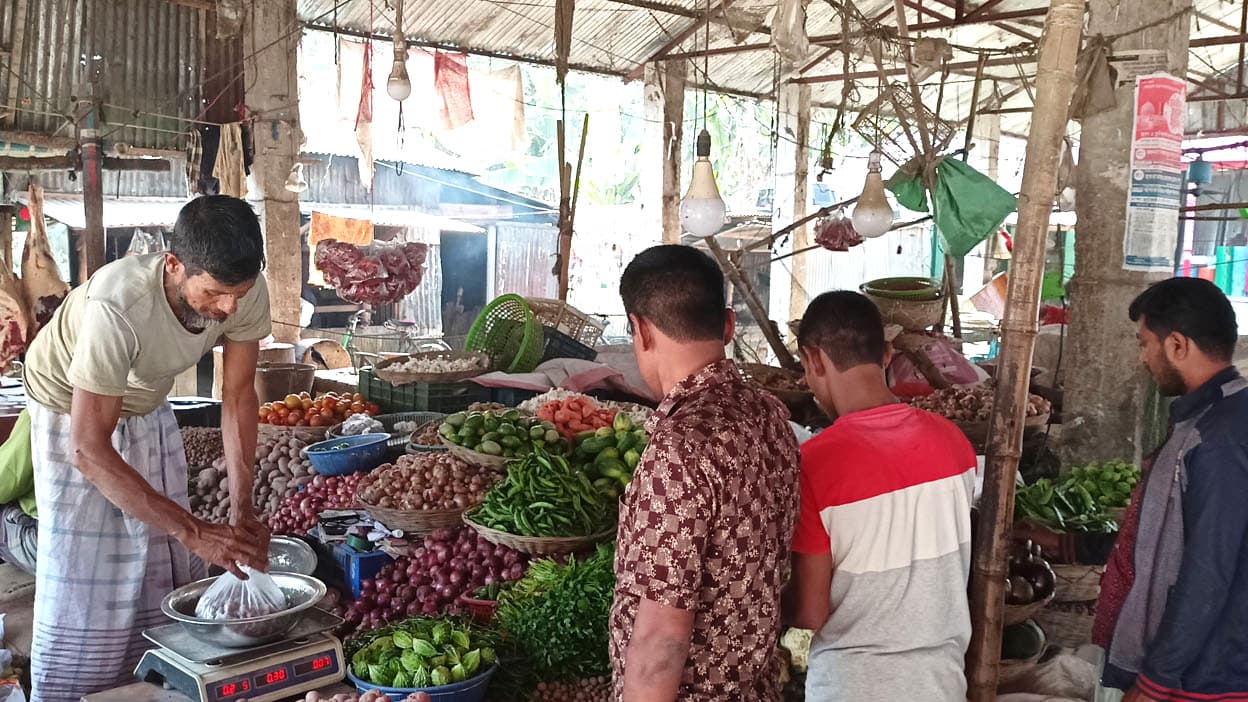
[1154,193]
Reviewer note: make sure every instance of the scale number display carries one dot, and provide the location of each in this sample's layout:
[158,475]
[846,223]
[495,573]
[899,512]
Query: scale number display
[270,680]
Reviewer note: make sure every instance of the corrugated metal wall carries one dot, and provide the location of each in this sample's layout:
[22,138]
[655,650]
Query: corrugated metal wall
[116,183]
[152,51]
[524,259]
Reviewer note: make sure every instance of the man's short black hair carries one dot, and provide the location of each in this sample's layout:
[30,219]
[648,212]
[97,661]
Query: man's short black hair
[846,326]
[679,290]
[1193,307]
[219,235]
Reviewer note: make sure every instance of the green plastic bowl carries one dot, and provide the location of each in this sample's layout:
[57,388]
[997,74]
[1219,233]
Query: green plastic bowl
[912,288]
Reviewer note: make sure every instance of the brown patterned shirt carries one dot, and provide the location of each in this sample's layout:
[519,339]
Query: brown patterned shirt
[705,527]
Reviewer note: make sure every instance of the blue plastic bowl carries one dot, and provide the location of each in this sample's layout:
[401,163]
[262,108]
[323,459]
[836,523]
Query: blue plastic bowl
[364,452]
[471,690]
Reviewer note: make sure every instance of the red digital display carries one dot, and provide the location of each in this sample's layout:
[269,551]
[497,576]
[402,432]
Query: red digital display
[233,688]
[270,678]
[314,665]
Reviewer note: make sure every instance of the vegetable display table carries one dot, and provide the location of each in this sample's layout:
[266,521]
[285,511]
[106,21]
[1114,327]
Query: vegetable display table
[147,692]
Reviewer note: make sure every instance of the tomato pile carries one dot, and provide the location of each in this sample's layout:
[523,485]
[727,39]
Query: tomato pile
[574,415]
[325,411]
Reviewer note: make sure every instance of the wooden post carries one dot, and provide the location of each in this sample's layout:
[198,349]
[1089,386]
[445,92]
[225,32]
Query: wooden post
[660,148]
[1055,83]
[792,165]
[272,92]
[567,213]
[770,332]
[92,242]
[798,294]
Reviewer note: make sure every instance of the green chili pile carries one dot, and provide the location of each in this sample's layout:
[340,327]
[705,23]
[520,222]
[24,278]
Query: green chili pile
[544,496]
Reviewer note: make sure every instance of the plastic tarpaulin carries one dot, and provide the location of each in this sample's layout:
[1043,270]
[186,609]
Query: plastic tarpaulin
[966,205]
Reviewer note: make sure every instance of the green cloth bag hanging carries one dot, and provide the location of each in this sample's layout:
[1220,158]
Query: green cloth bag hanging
[966,205]
[17,467]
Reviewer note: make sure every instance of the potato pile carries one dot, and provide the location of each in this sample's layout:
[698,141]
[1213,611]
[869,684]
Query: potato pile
[587,690]
[202,446]
[434,480]
[972,404]
[278,473]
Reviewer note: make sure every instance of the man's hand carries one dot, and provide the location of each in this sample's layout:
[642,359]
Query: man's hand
[227,546]
[256,531]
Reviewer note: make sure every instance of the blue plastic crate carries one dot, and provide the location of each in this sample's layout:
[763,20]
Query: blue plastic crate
[358,567]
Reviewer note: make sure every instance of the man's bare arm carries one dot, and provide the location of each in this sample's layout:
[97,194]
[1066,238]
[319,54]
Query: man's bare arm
[93,419]
[239,410]
[809,593]
[656,655]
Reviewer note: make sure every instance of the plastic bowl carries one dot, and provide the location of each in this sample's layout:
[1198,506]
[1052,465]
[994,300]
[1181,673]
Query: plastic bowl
[904,288]
[481,610]
[363,452]
[471,690]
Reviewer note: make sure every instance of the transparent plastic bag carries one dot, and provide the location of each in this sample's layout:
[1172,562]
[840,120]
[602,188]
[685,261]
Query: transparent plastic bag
[231,598]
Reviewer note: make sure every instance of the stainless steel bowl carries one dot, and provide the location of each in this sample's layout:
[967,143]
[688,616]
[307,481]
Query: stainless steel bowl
[302,592]
[288,554]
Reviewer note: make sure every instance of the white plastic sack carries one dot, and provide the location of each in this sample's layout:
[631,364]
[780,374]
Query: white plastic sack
[231,598]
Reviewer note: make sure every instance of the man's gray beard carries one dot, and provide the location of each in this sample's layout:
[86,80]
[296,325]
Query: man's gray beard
[192,320]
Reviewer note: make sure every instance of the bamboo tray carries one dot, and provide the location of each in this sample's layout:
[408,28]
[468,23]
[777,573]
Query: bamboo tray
[385,369]
[538,545]
[415,522]
[476,458]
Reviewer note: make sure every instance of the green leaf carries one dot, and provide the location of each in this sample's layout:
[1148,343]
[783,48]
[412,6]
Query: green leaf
[402,639]
[402,680]
[440,676]
[424,648]
[461,640]
[377,675]
[411,661]
[472,661]
[458,674]
[488,656]
[441,633]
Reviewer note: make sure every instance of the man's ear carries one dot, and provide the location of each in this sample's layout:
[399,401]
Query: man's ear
[730,326]
[643,332]
[1176,346]
[813,362]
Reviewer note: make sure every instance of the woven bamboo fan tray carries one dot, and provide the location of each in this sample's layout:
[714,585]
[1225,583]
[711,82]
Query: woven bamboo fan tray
[477,458]
[1017,614]
[415,522]
[386,369]
[1068,623]
[1077,583]
[265,432]
[537,545]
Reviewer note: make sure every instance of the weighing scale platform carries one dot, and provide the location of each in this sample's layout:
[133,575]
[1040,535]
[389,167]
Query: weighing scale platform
[308,659]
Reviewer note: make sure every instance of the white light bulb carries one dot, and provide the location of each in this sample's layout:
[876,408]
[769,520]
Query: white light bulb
[872,215]
[702,210]
[399,86]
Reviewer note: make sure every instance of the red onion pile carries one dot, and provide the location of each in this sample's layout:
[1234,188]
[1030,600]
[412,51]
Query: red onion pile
[298,514]
[448,564]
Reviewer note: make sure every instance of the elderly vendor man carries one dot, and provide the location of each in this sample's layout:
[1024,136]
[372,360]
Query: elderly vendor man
[115,534]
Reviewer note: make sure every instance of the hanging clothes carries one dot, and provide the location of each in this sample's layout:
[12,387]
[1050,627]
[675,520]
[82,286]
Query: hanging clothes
[231,168]
[364,121]
[450,79]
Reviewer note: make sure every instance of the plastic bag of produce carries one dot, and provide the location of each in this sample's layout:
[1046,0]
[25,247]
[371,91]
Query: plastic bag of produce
[231,598]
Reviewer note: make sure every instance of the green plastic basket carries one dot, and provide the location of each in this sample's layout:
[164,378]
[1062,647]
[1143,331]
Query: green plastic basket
[509,333]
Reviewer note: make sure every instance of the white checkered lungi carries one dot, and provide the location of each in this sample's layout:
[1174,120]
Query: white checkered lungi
[102,573]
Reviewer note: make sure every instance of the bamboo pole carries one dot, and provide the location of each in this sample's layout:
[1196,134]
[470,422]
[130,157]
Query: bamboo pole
[1055,83]
[770,332]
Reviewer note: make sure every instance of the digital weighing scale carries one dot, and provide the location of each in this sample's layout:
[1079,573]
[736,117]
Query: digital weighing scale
[309,658]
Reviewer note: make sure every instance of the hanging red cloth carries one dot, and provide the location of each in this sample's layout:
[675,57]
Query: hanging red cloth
[450,79]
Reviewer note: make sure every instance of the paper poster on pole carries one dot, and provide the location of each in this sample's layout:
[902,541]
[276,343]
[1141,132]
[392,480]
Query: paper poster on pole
[1154,193]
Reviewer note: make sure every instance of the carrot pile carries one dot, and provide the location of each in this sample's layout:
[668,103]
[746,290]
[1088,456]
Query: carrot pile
[574,415]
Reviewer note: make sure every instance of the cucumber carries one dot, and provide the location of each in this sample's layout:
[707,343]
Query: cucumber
[511,442]
[592,447]
[457,420]
[622,422]
[537,432]
[609,453]
[492,448]
[604,433]
[625,441]
[507,429]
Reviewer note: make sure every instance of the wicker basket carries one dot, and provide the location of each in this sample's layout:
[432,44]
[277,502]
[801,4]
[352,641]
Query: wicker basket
[913,315]
[1077,583]
[415,522]
[1068,623]
[264,432]
[476,458]
[397,441]
[567,319]
[385,369]
[538,545]
[1017,614]
[508,332]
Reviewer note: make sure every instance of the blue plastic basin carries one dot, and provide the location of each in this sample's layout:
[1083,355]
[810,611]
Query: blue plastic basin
[364,452]
[471,690]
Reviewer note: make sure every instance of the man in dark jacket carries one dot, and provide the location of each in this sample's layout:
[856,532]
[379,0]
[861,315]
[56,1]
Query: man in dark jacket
[1181,630]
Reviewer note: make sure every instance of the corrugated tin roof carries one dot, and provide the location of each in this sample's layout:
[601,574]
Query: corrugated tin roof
[391,217]
[616,37]
[67,209]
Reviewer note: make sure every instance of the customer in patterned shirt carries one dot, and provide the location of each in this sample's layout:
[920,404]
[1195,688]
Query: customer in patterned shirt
[706,522]
[882,550]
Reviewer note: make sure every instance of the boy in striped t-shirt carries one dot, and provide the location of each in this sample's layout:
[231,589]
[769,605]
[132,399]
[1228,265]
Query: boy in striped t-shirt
[881,554]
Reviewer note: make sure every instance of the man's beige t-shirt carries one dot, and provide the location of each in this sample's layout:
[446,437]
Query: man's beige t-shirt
[117,336]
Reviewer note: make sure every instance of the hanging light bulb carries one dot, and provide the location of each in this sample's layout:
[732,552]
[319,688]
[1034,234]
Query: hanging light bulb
[702,211]
[295,182]
[872,215]
[399,86]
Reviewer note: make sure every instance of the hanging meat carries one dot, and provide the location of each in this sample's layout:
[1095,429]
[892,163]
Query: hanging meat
[836,232]
[41,283]
[15,327]
[376,274]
